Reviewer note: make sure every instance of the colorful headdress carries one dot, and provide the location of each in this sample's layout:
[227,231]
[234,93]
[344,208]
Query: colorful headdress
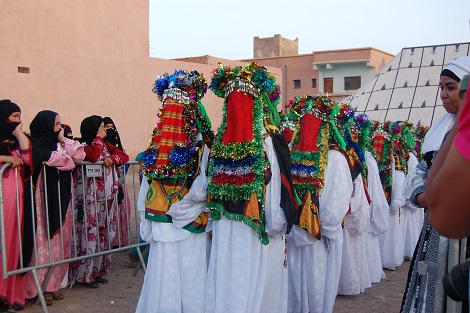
[362,126]
[390,132]
[354,151]
[311,121]
[309,146]
[419,132]
[171,152]
[237,163]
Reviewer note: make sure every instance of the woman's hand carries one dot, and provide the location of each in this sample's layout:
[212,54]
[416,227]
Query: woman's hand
[101,132]
[61,137]
[14,160]
[18,131]
[108,162]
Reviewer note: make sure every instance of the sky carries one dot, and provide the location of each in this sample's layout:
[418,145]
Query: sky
[225,29]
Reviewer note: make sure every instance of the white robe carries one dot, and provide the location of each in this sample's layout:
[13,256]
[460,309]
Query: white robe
[177,265]
[413,216]
[355,277]
[379,211]
[244,275]
[314,265]
[392,243]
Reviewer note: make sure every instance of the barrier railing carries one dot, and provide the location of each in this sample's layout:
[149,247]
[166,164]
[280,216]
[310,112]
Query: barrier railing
[90,190]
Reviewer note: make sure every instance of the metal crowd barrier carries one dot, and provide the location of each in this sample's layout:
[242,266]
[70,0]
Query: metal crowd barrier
[130,183]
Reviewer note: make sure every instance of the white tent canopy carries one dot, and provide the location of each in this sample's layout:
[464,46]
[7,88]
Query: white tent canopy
[408,87]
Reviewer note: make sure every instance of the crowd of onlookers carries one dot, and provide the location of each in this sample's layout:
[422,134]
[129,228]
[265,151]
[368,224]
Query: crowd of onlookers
[43,223]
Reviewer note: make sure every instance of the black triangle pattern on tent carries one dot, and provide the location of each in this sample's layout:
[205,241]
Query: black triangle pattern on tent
[408,87]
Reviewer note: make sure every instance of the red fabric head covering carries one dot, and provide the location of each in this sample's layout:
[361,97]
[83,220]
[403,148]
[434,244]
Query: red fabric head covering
[309,133]
[239,117]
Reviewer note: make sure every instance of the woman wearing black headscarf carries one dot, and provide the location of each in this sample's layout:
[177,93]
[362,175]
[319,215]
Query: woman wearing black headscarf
[67,131]
[54,158]
[14,149]
[112,136]
[99,206]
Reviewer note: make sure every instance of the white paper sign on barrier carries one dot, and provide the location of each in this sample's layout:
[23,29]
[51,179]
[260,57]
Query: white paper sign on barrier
[94,170]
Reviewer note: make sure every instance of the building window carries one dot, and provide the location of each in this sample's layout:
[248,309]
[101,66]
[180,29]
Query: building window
[314,83]
[328,85]
[297,84]
[352,83]
[23,70]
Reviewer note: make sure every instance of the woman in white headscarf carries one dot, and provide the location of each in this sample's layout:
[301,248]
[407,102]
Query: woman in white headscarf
[424,292]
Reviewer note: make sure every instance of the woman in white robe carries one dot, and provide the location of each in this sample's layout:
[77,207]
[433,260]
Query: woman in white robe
[414,217]
[245,275]
[355,277]
[378,225]
[177,263]
[315,265]
[392,242]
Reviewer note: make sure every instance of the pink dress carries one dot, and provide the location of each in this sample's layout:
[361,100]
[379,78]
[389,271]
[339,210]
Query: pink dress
[12,289]
[462,140]
[64,160]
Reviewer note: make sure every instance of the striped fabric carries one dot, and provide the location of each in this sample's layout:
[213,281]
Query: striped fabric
[378,146]
[172,131]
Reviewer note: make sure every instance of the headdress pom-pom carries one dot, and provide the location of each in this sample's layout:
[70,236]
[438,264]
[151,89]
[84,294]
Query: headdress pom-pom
[179,155]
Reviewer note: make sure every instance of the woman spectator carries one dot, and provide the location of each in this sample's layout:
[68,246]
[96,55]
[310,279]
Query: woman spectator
[14,149]
[67,131]
[448,205]
[95,211]
[124,204]
[52,192]
[423,291]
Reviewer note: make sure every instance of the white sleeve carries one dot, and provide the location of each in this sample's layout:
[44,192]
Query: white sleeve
[336,195]
[398,200]
[193,203]
[358,220]
[414,179]
[379,209]
[145,224]
[276,223]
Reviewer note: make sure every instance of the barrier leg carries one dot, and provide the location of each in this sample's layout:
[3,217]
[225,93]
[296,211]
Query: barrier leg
[141,260]
[40,292]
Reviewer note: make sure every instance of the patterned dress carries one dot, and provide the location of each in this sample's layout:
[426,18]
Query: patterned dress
[95,213]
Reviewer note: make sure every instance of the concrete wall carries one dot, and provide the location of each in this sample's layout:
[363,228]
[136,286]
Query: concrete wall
[88,57]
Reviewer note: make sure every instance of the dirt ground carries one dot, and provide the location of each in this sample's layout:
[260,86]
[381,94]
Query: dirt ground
[122,294]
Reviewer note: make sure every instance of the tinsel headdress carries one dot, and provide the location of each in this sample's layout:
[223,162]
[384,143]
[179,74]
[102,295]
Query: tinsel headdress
[390,132]
[171,152]
[237,163]
[311,118]
[362,126]
[310,121]
[419,132]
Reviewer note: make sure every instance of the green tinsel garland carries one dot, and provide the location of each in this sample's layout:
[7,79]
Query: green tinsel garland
[238,151]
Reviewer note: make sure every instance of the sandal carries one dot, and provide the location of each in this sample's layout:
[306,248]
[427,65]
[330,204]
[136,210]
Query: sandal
[49,298]
[101,280]
[57,295]
[92,284]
